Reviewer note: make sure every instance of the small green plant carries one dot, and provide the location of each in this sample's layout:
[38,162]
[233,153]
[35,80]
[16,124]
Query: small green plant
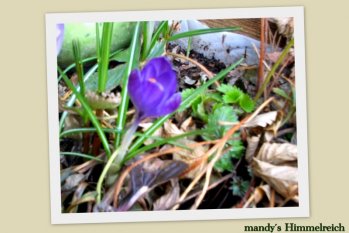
[218,108]
[215,130]
[239,186]
[233,95]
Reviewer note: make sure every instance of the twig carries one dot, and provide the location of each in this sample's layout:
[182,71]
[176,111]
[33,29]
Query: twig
[276,77]
[203,68]
[82,168]
[264,62]
[262,55]
[208,175]
[209,73]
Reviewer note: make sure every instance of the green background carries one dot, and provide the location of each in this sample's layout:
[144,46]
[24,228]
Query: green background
[25,203]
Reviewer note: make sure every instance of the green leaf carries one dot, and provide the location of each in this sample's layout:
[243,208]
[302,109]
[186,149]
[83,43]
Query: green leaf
[239,187]
[233,95]
[237,147]
[132,63]
[224,164]
[216,131]
[187,92]
[199,111]
[114,78]
[103,61]
[148,28]
[224,88]
[85,156]
[161,29]
[220,114]
[246,103]
[124,55]
[157,50]
[202,32]
[281,93]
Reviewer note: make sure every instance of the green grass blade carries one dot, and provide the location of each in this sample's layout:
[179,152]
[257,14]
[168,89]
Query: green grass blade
[158,50]
[78,65]
[90,114]
[133,61]
[98,42]
[83,130]
[104,55]
[202,32]
[85,156]
[189,46]
[160,29]
[148,28]
[185,104]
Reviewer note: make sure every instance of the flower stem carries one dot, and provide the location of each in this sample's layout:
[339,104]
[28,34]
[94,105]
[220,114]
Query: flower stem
[103,174]
[126,141]
[117,156]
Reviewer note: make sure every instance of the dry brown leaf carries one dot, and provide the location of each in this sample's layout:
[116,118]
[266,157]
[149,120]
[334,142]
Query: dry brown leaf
[171,129]
[72,122]
[259,193]
[188,124]
[73,181]
[252,145]
[278,154]
[285,25]
[283,179]
[268,122]
[170,198]
[188,156]
[191,157]
[77,195]
[262,120]
[157,133]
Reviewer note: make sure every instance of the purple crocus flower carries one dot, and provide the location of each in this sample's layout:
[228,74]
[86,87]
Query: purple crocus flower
[59,36]
[153,90]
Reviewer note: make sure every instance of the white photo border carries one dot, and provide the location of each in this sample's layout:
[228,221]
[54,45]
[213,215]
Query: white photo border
[57,217]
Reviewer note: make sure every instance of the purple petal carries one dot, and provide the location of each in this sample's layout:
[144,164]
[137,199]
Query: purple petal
[159,65]
[135,88]
[59,36]
[149,70]
[151,98]
[170,105]
[169,81]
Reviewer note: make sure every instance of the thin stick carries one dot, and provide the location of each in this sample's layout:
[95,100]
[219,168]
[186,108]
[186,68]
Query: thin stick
[208,175]
[262,55]
[203,68]
[209,73]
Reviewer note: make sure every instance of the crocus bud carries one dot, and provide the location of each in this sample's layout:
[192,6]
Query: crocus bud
[59,36]
[153,90]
